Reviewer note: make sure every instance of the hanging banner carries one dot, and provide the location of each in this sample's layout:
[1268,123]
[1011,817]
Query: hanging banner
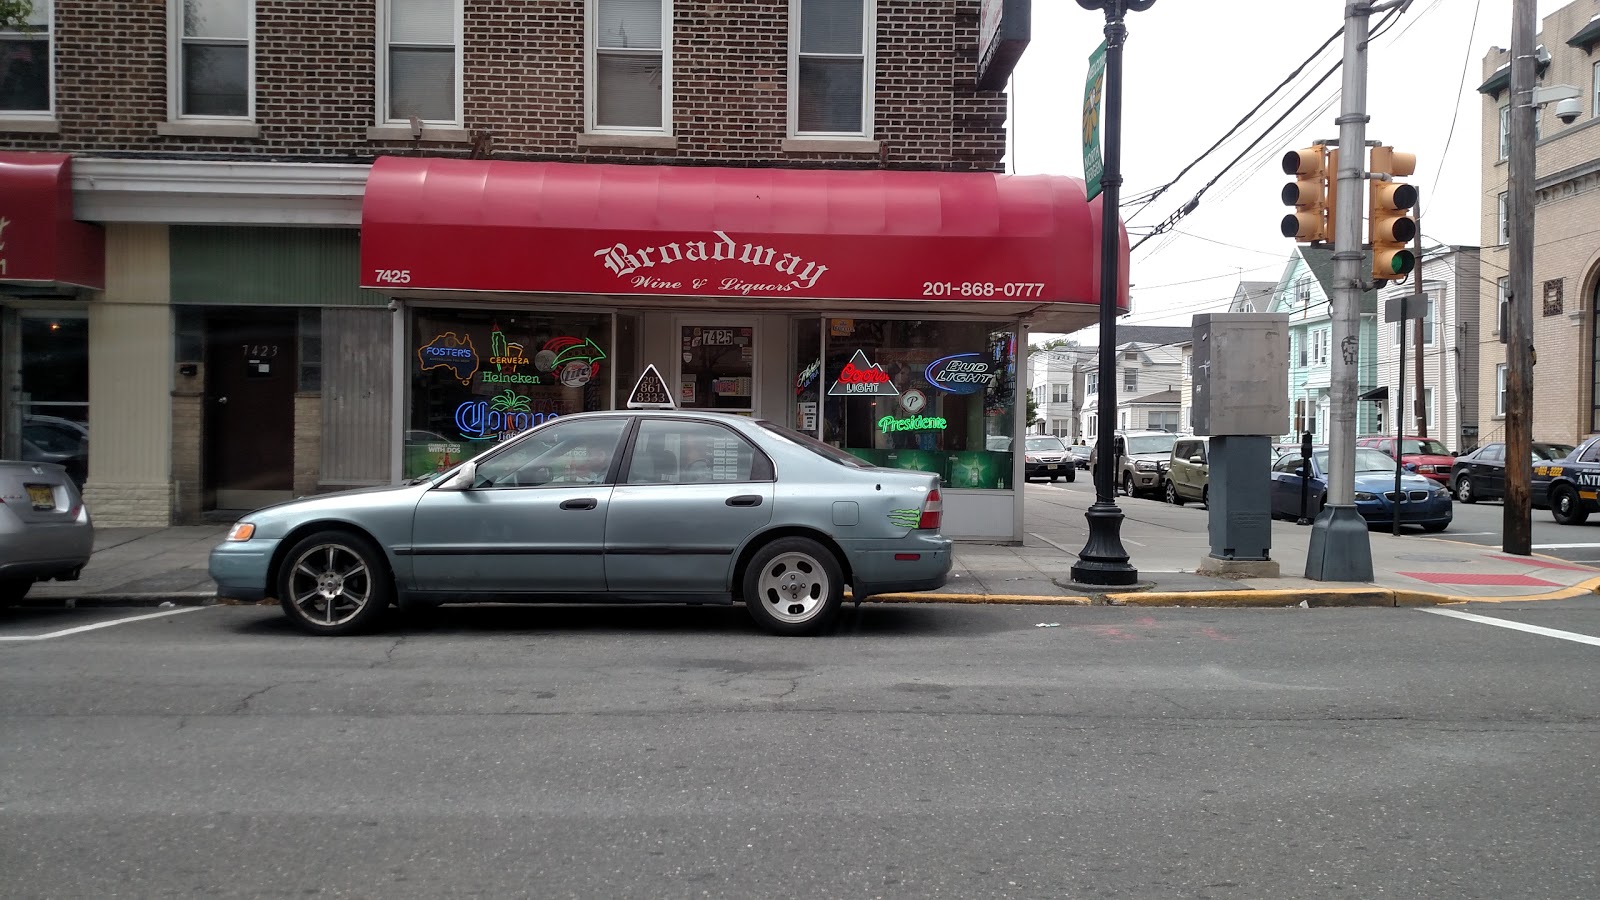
[1093,165]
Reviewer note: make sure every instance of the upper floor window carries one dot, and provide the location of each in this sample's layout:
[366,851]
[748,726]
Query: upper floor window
[1596,85]
[1302,292]
[25,71]
[830,68]
[1502,307]
[1092,385]
[1503,228]
[1130,379]
[1505,131]
[420,61]
[1060,393]
[212,59]
[629,87]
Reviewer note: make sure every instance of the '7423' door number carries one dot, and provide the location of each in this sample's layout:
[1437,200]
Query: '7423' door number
[394,276]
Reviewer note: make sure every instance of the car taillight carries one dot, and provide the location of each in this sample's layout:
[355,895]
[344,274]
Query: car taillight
[931,508]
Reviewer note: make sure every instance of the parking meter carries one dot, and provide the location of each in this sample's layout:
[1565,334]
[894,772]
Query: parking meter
[1305,477]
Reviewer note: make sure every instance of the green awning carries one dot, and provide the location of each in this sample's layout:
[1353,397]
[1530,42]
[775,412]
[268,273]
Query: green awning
[1587,36]
[1499,81]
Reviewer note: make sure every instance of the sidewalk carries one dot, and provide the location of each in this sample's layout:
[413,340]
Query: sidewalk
[149,566]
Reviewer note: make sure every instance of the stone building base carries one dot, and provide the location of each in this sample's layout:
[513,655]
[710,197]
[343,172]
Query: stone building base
[129,505]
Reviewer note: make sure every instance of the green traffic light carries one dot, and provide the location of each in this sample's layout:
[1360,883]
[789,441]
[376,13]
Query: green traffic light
[1402,262]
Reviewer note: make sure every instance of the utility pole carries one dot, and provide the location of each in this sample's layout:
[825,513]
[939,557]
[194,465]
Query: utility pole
[1417,342]
[1340,549]
[1517,525]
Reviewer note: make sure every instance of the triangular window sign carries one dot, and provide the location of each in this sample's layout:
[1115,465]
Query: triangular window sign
[651,391]
[861,378]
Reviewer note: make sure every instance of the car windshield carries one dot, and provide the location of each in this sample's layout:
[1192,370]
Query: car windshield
[826,451]
[1151,443]
[1046,443]
[1551,451]
[1426,447]
[1367,460]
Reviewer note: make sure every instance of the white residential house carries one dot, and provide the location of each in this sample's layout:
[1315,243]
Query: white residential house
[1055,377]
[1451,284]
[1150,380]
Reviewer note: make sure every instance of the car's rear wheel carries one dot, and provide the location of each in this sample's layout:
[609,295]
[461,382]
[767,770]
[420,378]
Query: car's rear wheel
[12,590]
[1172,494]
[793,586]
[1464,491]
[333,583]
[1566,506]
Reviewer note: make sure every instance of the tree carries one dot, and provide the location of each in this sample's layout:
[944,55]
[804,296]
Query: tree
[15,13]
[1033,412]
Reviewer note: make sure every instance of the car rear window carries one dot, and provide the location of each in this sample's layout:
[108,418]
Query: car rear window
[826,451]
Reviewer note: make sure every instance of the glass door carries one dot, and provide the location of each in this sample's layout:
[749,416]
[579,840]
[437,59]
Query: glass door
[716,364]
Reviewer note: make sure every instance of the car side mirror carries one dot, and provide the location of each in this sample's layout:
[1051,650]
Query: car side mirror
[462,480]
[1197,460]
[1410,467]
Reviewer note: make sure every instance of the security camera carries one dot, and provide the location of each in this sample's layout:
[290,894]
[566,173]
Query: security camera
[1569,110]
[394,305]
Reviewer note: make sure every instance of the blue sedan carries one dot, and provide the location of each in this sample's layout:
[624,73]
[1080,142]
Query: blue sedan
[1422,501]
[624,506]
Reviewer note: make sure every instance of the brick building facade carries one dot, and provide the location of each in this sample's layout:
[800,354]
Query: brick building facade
[241,351]
[1566,257]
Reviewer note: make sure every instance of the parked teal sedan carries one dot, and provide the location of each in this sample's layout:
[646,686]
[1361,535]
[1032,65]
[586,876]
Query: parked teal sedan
[624,506]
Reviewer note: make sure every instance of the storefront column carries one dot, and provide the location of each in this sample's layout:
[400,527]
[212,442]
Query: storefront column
[130,479]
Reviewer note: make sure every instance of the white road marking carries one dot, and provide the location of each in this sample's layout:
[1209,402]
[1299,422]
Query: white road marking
[82,628]
[1565,546]
[1456,534]
[1517,626]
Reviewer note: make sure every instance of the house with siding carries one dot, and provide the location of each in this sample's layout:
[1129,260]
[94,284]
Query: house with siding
[1449,356]
[1304,292]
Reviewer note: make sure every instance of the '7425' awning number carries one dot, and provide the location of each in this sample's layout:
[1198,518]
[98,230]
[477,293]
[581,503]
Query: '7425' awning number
[394,276]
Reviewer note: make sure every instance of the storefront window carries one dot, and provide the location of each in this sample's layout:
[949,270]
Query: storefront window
[808,384]
[933,396]
[718,365]
[480,377]
[53,392]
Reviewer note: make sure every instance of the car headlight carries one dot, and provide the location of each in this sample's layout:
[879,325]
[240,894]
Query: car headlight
[242,531]
[1031,457]
[1144,465]
[1440,492]
[1363,495]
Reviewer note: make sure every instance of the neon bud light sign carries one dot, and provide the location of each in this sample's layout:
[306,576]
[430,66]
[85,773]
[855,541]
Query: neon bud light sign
[964,373]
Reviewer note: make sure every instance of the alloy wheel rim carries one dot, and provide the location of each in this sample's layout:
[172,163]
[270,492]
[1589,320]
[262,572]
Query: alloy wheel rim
[330,584]
[793,587]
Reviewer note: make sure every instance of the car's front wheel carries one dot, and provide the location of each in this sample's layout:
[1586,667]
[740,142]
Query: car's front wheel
[1127,483]
[1464,491]
[333,583]
[1566,506]
[1172,494]
[793,586]
[12,590]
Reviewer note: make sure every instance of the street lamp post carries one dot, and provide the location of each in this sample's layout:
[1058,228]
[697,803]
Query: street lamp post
[1103,559]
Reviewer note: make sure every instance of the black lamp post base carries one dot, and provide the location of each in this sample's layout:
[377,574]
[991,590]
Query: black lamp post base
[1103,561]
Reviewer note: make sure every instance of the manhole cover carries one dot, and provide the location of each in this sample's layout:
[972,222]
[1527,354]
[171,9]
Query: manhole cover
[1429,557]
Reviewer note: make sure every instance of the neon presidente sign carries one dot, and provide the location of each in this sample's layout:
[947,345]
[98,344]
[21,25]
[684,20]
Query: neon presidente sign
[889,424]
[963,373]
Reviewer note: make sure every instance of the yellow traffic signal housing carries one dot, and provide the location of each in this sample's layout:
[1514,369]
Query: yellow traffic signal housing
[1389,225]
[1311,194]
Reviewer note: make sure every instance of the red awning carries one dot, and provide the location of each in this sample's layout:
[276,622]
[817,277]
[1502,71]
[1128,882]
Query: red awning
[40,242]
[490,226]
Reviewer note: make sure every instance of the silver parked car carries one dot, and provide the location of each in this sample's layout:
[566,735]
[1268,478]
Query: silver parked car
[45,532]
[624,506]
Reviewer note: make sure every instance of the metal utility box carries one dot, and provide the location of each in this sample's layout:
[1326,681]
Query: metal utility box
[1240,373]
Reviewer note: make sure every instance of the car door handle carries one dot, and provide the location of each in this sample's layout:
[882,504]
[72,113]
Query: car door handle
[745,500]
[580,503]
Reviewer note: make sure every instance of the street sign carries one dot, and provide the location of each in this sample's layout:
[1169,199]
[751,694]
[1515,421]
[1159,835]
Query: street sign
[1093,164]
[1405,306]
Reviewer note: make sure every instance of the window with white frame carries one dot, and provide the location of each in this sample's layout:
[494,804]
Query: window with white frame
[1502,322]
[25,69]
[1061,427]
[1596,85]
[630,66]
[1302,292]
[1427,406]
[1060,393]
[420,61]
[1162,420]
[1505,131]
[1094,425]
[1093,383]
[1320,341]
[212,59]
[1500,389]
[1504,227]
[1403,333]
[830,68]
[1130,379]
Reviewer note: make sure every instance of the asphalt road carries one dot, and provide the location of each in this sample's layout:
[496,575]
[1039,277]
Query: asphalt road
[1475,523]
[923,751]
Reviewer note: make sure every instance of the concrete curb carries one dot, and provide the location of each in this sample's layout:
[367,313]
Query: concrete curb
[1012,599]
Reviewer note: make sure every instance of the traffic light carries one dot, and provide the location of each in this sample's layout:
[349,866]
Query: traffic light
[1312,193]
[1390,226]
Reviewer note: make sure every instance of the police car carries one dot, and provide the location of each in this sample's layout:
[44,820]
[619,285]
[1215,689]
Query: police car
[1569,487]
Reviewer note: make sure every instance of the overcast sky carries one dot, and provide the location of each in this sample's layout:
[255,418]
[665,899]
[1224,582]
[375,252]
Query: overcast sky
[1193,68]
